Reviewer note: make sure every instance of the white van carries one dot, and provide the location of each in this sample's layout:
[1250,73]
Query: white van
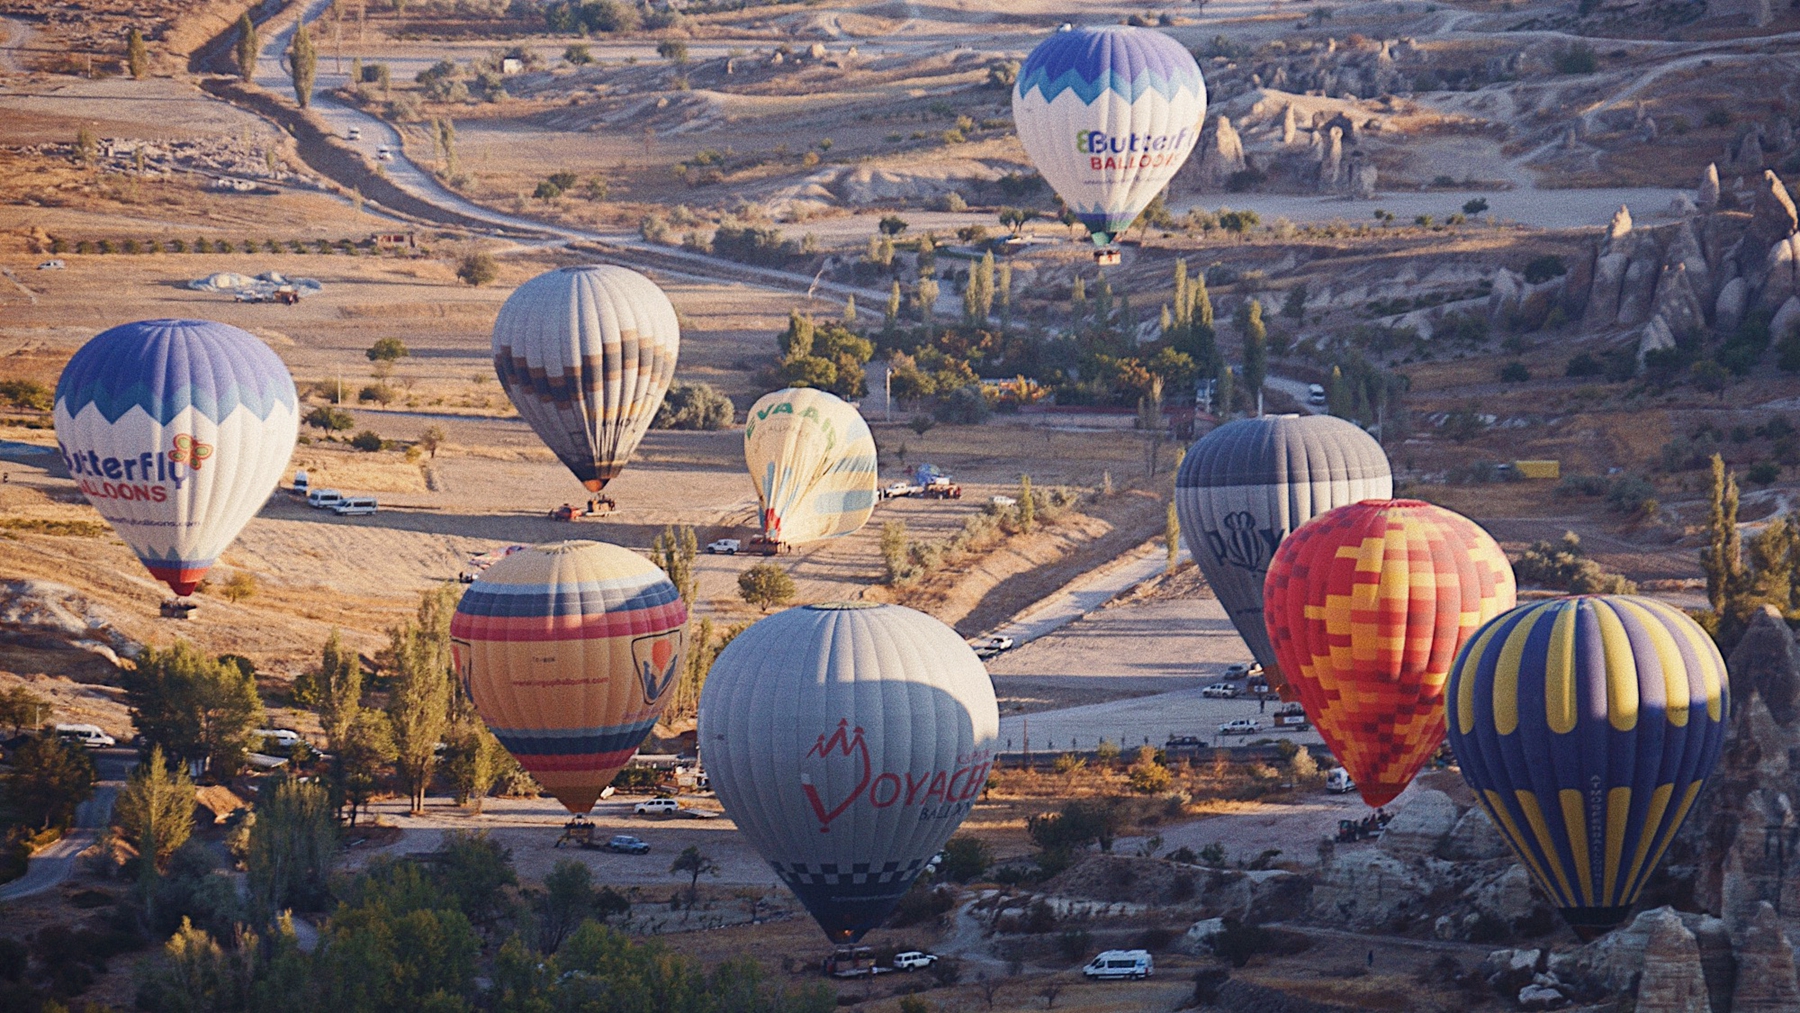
[302,484]
[1338,782]
[324,499]
[1315,393]
[283,738]
[87,735]
[1121,964]
[352,506]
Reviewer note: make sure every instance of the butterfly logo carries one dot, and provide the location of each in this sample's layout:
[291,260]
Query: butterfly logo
[848,743]
[656,658]
[190,451]
[1241,543]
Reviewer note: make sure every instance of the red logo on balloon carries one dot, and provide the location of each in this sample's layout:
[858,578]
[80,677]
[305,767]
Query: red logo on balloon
[190,451]
[939,794]
[848,743]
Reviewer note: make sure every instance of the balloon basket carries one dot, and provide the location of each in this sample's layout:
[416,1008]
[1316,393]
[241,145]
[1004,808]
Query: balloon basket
[175,608]
[578,832]
[1106,256]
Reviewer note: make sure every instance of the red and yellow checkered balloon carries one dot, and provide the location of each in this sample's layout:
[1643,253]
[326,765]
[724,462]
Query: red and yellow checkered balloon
[1367,606]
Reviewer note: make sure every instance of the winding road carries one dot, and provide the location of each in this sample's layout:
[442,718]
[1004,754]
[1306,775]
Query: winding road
[52,865]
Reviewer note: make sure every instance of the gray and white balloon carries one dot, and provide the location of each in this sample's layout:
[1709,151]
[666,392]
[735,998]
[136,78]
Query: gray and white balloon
[1248,484]
[848,741]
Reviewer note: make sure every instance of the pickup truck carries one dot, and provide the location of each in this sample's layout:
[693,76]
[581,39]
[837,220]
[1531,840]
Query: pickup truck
[1241,726]
[899,490]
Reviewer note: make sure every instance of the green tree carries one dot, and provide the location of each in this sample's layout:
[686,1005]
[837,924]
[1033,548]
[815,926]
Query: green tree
[693,863]
[432,438]
[303,65]
[891,314]
[675,551]
[477,269]
[966,857]
[673,50]
[49,780]
[137,58]
[20,709]
[247,46]
[1027,505]
[475,761]
[293,846]
[893,550]
[387,350]
[1172,536]
[357,764]
[444,135]
[156,808]
[765,586]
[338,682]
[1722,558]
[1256,354]
[696,662]
[198,709]
[568,899]
[419,700]
[1224,391]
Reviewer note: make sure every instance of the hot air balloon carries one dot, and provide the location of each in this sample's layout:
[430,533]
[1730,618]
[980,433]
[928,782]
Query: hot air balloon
[1246,485]
[1586,726]
[1367,607]
[848,741]
[812,460]
[569,652]
[1107,116]
[177,431]
[586,354]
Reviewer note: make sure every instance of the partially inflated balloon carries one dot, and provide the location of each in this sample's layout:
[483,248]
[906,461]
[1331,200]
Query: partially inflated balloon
[177,431]
[569,652]
[1247,484]
[1367,607]
[1108,115]
[586,354]
[812,459]
[1586,727]
[848,741]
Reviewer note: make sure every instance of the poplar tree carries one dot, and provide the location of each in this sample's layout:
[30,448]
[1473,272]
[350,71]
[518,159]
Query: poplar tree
[137,58]
[247,47]
[303,65]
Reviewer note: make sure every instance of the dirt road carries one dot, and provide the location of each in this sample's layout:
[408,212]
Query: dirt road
[51,866]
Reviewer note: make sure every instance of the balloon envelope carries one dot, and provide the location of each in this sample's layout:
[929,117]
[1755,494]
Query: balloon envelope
[848,741]
[1246,485]
[177,431]
[1367,607]
[1586,727]
[812,460]
[1108,115]
[569,652]
[586,354]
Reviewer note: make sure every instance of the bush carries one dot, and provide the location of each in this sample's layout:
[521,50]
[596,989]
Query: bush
[1564,565]
[752,244]
[477,269]
[966,858]
[1514,372]
[379,393]
[924,902]
[1584,365]
[29,395]
[1542,269]
[368,440]
[766,586]
[965,406]
[694,406]
[332,420]
[1578,58]
[1628,494]
[1764,472]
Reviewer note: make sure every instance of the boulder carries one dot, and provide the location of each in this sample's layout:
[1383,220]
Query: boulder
[1331,163]
[1707,196]
[1503,297]
[1767,660]
[1616,230]
[1654,337]
[1749,154]
[1734,299]
[1417,830]
[1613,963]
[1535,996]
[1766,981]
[1673,981]
[1473,839]
[1198,939]
[1508,971]
[1372,889]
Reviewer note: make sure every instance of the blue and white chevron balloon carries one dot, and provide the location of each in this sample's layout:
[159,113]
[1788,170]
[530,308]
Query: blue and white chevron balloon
[177,431]
[1108,116]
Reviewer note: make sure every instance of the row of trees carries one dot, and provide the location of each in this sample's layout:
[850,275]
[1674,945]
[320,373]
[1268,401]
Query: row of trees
[1740,583]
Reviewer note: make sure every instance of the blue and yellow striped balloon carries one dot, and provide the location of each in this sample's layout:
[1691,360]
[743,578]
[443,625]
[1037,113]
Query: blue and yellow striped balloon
[1586,727]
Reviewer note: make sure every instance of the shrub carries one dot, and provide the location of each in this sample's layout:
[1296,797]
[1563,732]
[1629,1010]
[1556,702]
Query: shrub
[1541,269]
[1584,365]
[1475,206]
[332,420]
[694,406]
[29,395]
[1628,494]
[766,586]
[239,586]
[966,858]
[477,269]
[368,440]
[1764,472]
[1578,58]
[924,902]
[380,393]
[1514,372]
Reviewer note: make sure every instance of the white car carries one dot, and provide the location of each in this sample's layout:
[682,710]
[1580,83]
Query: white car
[1220,691]
[1004,501]
[1315,393]
[1241,726]
[384,153]
[1242,670]
[355,506]
[52,265]
[1338,781]
[724,547]
[657,807]
[87,735]
[285,738]
[899,489]
[997,642]
[912,960]
[324,499]
[1136,964]
[353,134]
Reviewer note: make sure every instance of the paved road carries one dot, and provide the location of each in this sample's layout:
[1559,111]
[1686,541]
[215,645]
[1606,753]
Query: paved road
[1086,593]
[52,865]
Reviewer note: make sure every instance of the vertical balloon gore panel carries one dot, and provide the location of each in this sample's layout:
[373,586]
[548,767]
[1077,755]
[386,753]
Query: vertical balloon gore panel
[1108,115]
[1366,607]
[848,742]
[586,354]
[176,431]
[1245,486]
[1586,727]
[570,651]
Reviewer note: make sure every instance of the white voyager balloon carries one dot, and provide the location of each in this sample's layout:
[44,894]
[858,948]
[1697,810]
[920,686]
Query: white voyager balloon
[177,431]
[1108,116]
[848,741]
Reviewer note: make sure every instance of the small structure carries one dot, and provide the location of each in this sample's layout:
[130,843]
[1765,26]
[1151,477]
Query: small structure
[511,65]
[393,240]
[1539,469]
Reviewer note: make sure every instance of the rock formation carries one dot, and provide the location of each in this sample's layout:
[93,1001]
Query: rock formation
[1707,197]
[1331,162]
[1221,154]
[1765,968]
[1288,126]
[1673,981]
[1362,175]
[1772,216]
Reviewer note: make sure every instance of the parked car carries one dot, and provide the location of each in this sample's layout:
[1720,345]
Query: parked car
[87,735]
[1003,501]
[657,807]
[355,506]
[1243,670]
[1220,691]
[283,738]
[988,647]
[1338,782]
[353,134]
[1241,726]
[625,844]
[1257,686]
[912,960]
[724,547]
[384,153]
[323,499]
[1315,393]
[900,489]
[1121,964]
[52,265]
